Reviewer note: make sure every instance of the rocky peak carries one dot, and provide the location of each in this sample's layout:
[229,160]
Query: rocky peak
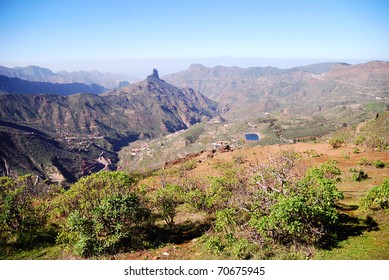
[154,75]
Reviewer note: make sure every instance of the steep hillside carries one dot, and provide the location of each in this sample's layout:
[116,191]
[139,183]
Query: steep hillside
[39,129]
[38,74]
[15,85]
[157,98]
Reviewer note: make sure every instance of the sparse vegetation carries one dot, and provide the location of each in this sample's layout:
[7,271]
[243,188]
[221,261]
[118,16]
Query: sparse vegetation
[364,161]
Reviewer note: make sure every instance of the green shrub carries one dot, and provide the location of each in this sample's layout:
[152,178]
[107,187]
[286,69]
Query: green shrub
[306,213]
[225,240]
[346,155]
[336,142]
[353,170]
[313,153]
[379,164]
[116,219]
[209,196]
[356,150]
[166,200]
[24,208]
[363,161]
[88,192]
[377,198]
[101,211]
[360,175]
[359,139]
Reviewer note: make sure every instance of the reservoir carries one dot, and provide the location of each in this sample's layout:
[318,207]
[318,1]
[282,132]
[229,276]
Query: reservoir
[252,136]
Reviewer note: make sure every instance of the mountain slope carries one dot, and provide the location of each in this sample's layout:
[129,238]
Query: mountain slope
[76,134]
[157,98]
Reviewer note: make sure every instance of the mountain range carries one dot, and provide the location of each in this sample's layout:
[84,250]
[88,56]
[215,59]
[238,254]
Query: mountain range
[38,74]
[300,89]
[16,85]
[67,136]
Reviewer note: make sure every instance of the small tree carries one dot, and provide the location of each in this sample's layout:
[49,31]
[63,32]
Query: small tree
[167,199]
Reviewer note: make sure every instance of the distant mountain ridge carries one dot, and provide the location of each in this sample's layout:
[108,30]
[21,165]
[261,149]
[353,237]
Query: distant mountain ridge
[38,74]
[300,89]
[68,135]
[16,85]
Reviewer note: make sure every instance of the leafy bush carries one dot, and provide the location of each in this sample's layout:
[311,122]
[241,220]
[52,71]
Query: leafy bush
[336,142]
[353,170]
[363,161]
[285,208]
[313,153]
[356,150]
[306,212]
[100,212]
[359,139]
[225,241]
[377,198]
[24,208]
[116,219]
[360,175]
[379,164]
[88,192]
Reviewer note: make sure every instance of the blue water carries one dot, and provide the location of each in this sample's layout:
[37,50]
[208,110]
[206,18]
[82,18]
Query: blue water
[252,136]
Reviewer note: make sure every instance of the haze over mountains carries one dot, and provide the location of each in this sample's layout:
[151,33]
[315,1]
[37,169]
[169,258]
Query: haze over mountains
[65,137]
[16,85]
[38,74]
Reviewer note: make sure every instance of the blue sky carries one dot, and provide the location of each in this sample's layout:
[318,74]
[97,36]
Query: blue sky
[123,36]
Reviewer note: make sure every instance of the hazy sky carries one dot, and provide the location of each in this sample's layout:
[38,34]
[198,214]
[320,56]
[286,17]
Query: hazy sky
[132,36]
